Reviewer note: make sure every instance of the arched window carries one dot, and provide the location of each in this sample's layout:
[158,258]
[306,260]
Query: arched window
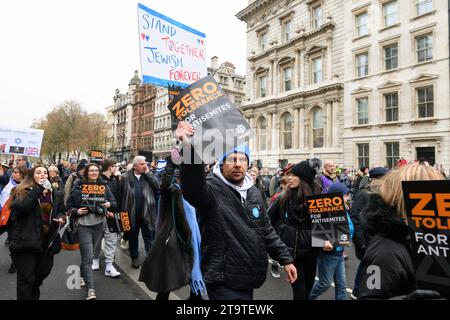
[317,128]
[262,134]
[286,123]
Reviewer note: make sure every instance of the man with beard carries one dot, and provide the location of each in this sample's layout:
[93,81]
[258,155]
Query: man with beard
[236,232]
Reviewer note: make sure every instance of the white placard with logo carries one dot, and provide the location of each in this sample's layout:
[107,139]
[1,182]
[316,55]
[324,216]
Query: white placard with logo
[21,141]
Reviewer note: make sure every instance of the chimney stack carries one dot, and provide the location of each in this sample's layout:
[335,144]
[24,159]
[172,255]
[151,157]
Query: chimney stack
[214,63]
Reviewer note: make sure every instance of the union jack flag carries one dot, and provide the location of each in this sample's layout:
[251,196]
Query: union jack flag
[32,151]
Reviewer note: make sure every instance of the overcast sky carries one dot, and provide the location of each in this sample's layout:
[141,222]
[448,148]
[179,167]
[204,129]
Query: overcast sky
[54,50]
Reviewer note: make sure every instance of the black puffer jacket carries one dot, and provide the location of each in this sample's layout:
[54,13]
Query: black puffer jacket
[114,186]
[27,235]
[235,243]
[293,222]
[388,257]
[361,201]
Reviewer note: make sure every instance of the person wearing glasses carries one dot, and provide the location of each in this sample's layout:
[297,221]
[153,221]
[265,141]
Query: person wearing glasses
[236,231]
[91,224]
[21,161]
[18,174]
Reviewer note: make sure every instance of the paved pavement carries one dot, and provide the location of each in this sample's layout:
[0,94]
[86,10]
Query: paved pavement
[127,287]
[55,286]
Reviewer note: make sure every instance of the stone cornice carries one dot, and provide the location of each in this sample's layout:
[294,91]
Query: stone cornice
[254,7]
[303,94]
[302,37]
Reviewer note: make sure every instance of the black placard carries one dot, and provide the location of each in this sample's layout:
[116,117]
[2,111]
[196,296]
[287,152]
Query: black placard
[329,220]
[427,205]
[93,195]
[219,126]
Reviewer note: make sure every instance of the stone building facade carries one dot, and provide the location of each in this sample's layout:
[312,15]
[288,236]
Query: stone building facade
[120,139]
[142,132]
[294,82]
[396,80]
[164,139]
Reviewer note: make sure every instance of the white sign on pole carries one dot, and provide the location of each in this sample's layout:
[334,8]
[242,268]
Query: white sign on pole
[26,142]
[171,53]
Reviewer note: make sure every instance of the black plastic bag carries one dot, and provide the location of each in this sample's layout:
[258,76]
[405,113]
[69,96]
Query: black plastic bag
[168,264]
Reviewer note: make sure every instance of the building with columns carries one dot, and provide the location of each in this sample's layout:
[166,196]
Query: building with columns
[122,112]
[294,82]
[396,77]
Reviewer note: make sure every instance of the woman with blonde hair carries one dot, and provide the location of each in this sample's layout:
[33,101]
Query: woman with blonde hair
[253,172]
[388,252]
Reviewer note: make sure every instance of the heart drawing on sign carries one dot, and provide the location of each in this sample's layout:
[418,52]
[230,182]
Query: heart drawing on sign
[143,36]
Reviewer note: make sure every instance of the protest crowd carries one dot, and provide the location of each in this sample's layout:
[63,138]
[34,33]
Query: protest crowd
[215,227]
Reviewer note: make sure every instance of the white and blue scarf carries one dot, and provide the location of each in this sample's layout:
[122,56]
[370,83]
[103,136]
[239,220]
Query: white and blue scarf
[197,284]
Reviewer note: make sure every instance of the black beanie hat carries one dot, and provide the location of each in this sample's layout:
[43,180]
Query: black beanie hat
[307,169]
[81,166]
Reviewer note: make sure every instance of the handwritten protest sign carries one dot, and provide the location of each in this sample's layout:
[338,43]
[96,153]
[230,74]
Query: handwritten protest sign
[427,205]
[171,52]
[219,126]
[21,141]
[329,220]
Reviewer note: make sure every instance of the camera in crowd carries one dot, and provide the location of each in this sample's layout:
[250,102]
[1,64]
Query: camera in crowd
[95,208]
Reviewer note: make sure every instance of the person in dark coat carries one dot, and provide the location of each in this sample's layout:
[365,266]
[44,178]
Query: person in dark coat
[388,251]
[108,175]
[387,268]
[36,213]
[4,177]
[359,203]
[91,223]
[290,217]
[17,176]
[363,172]
[236,231]
[55,179]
